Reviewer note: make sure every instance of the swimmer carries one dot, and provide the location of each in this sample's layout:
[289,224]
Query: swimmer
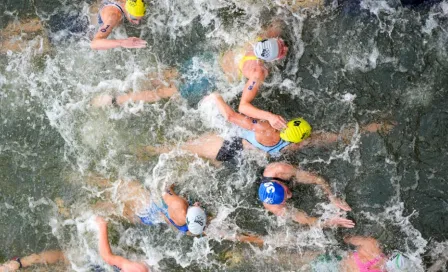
[172,209]
[369,257]
[249,62]
[274,192]
[258,135]
[111,14]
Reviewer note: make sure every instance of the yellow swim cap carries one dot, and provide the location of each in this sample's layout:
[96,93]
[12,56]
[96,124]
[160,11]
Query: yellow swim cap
[135,7]
[297,130]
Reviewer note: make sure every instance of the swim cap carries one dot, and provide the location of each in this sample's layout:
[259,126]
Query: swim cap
[196,220]
[398,262]
[267,49]
[297,130]
[271,193]
[135,7]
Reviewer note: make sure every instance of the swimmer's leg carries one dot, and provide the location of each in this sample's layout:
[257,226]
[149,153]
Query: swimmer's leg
[144,96]
[207,146]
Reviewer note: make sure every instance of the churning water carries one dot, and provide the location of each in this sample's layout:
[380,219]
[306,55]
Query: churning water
[350,63]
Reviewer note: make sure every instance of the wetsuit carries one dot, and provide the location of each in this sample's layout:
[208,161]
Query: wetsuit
[274,150]
[152,216]
[233,147]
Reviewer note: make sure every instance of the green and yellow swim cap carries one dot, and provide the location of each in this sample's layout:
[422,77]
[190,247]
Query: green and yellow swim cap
[297,130]
[135,7]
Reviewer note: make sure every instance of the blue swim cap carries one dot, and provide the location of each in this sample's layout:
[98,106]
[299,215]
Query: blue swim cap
[271,193]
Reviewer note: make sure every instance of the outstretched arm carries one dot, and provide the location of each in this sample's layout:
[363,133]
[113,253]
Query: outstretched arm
[110,20]
[104,247]
[287,171]
[303,218]
[311,178]
[45,258]
[111,259]
[230,115]
[249,93]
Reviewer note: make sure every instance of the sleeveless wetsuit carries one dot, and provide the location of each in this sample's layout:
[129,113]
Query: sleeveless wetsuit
[243,61]
[108,3]
[233,147]
[152,216]
[274,150]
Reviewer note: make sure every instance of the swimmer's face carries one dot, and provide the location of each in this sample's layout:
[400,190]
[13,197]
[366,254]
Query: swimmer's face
[282,49]
[134,19]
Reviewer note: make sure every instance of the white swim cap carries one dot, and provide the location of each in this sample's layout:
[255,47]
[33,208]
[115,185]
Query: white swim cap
[196,220]
[267,49]
[398,262]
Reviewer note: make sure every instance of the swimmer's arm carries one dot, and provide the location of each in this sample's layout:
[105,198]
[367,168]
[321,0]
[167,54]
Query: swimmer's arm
[170,190]
[249,93]
[293,213]
[230,115]
[45,257]
[274,30]
[311,178]
[104,247]
[111,20]
[250,238]
[100,41]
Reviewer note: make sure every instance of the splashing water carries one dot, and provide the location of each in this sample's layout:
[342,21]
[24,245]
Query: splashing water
[348,65]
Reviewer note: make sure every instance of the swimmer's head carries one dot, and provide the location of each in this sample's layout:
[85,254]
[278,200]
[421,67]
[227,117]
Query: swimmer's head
[297,130]
[136,10]
[398,262]
[270,49]
[196,220]
[273,192]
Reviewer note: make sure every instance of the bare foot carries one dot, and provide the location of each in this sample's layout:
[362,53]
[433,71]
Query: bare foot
[102,101]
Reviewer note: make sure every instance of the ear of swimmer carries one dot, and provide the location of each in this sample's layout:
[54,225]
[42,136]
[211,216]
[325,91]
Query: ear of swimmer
[136,8]
[297,130]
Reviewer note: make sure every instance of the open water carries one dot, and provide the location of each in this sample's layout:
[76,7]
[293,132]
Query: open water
[350,63]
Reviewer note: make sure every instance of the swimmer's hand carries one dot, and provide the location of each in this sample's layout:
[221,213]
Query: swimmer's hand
[277,121]
[339,222]
[102,101]
[133,42]
[340,203]
[100,221]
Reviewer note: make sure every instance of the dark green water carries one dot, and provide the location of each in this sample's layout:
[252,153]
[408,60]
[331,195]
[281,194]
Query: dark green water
[389,60]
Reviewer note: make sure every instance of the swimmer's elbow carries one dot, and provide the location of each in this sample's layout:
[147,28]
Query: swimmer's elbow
[231,116]
[243,107]
[94,45]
